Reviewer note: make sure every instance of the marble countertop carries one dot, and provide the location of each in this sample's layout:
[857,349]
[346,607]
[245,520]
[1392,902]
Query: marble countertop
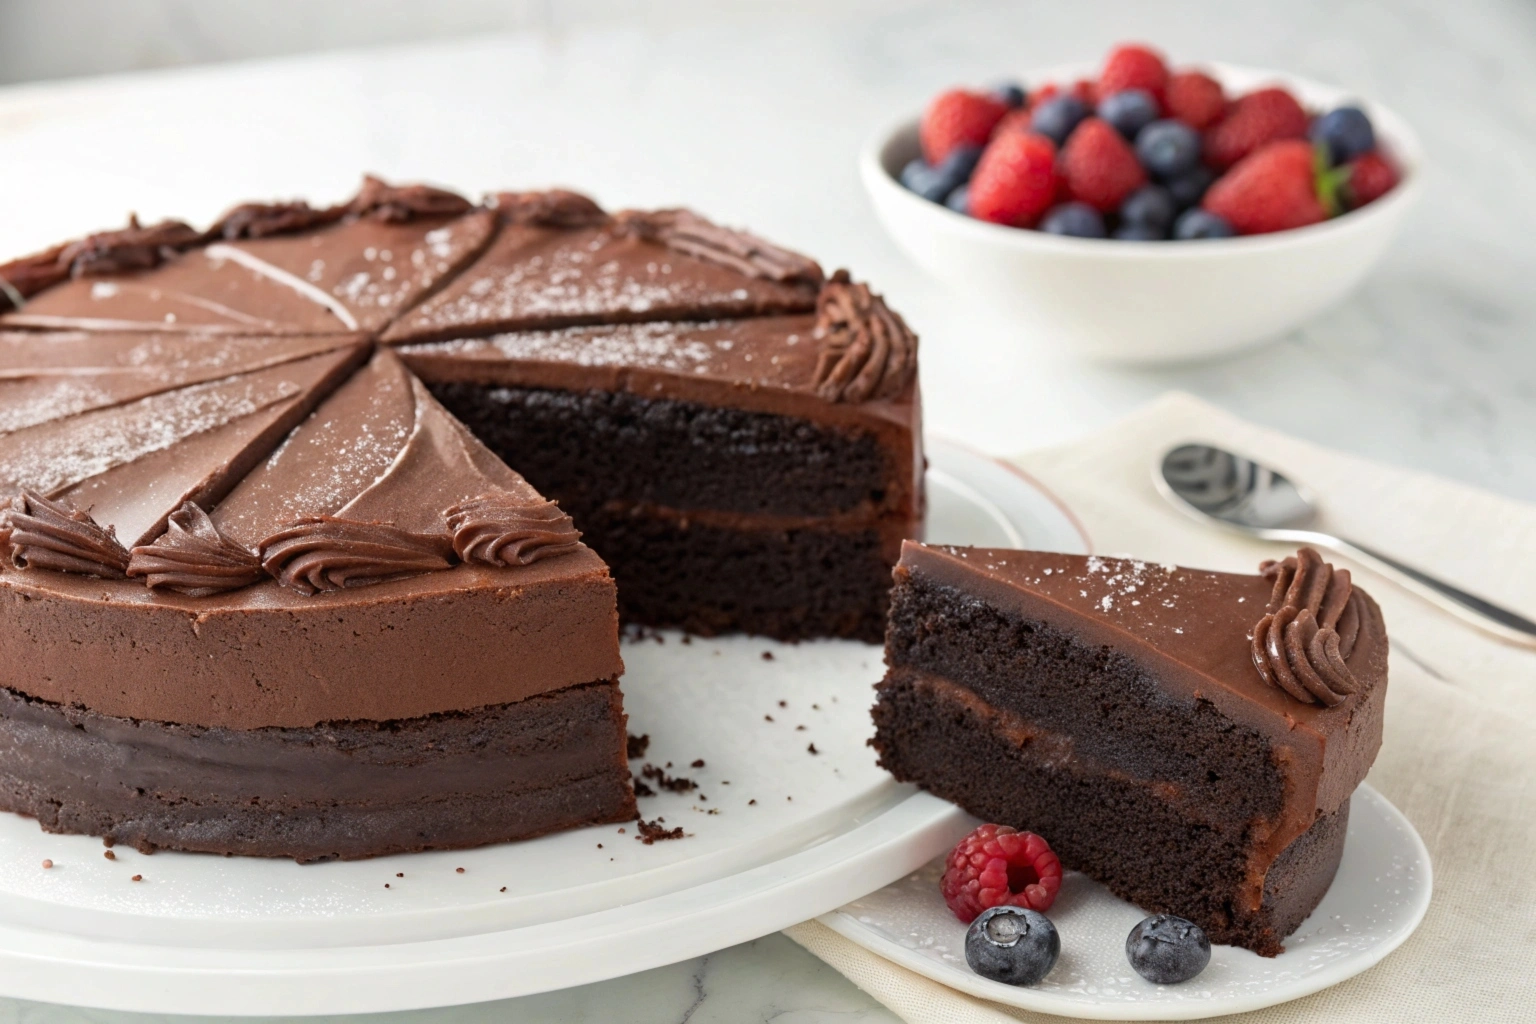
[755,117]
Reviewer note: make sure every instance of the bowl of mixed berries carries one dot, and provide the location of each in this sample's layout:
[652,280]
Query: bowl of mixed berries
[1137,212]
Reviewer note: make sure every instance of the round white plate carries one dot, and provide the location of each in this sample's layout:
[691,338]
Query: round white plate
[776,833]
[1377,899]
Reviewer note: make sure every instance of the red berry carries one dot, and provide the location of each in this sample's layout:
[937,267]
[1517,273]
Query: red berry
[1132,66]
[1257,118]
[1271,190]
[1013,121]
[1100,166]
[997,865]
[1195,98]
[1015,180]
[1041,94]
[958,118]
[1087,90]
[1370,178]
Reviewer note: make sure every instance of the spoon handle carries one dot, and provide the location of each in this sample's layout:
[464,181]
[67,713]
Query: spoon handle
[1484,614]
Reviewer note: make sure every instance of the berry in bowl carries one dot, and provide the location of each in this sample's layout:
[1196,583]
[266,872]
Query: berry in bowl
[1137,213]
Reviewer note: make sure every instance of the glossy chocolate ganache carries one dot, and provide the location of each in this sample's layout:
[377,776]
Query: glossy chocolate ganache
[317,467]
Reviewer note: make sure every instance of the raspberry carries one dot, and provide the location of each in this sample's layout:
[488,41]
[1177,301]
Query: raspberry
[1272,190]
[958,118]
[1195,98]
[1255,119]
[1100,166]
[996,866]
[1015,180]
[1370,178]
[1132,66]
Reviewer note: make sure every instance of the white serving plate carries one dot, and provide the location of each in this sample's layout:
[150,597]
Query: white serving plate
[1377,899]
[776,835]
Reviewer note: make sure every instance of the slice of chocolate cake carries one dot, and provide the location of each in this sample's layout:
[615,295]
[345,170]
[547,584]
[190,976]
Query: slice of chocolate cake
[746,458]
[1190,739]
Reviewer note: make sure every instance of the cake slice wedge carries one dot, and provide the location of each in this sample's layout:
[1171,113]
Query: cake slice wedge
[1122,710]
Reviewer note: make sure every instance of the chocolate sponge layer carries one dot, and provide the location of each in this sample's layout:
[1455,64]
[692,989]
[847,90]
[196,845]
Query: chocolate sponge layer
[341,790]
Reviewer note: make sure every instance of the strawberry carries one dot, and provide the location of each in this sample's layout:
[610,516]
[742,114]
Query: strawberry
[1016,179]
[1132,66]
[1013,121]
[1272,189]
[1370,178]
[1194,98]
[1100,167]
[1257,118]
[957,118]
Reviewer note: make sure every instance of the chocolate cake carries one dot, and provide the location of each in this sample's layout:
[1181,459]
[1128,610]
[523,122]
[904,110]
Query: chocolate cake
[1190,739]
[270,592]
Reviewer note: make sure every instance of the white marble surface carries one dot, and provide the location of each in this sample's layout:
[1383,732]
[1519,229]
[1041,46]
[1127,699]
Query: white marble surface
[755,116]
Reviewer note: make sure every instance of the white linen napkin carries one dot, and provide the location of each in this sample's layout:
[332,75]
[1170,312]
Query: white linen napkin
[1459,752]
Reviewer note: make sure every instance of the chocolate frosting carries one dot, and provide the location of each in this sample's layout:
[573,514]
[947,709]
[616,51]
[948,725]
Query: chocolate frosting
[107,252]
[43,534]
[1302,643]
[686,232]
[193,558]
[506,529]
[396,204]
[258,220]
[554,208]
[867,349]
[322,554]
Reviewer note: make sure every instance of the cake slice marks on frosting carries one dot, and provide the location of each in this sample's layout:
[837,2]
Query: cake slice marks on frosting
[40,534]
[1303,642]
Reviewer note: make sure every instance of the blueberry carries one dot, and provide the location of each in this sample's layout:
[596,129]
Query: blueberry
[934,183]
[1140,233]
[1165,949]
[1076,219]
[960,200]
[1188,189]
[1129,111]
[1168,148]
[1198,223]
[1012,945]
[1010,94]
[1150,207]
[1057,116]
[1347,133]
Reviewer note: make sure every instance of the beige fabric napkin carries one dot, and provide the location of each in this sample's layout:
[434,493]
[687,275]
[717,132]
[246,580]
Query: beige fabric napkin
[1459,754]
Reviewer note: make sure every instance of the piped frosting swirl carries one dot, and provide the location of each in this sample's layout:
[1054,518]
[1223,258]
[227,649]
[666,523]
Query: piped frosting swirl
[107,252]
[192,557]
[261,220]
[395,204]
[686,232]
[500,529]
[40,534]
[867,349]
[1303,642]
[326,553]
[555,208]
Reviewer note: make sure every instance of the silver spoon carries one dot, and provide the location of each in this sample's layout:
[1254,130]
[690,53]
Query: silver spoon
[1212,484]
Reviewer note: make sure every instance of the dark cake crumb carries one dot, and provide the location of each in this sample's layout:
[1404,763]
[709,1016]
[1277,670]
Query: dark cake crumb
[752,803]
[458,871]
[138,878]
[399,874]
[636,746]
[672,784]
[110,855]
[641,789]
[653,831]
[799,728]
[767,655]
[697,763]
[767,718]
[47,863]
[599,846]
[812,749]
[504,888]
[687,639]
[783,703]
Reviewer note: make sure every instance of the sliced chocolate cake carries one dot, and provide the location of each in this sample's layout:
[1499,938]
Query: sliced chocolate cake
[266,594]
[1190,739]
[747,456]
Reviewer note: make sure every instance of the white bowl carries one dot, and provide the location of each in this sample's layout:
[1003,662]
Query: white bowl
[1149,302]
